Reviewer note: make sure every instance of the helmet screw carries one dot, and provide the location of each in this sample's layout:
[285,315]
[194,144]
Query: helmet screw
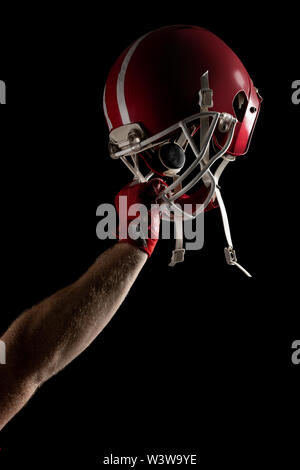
[224,122]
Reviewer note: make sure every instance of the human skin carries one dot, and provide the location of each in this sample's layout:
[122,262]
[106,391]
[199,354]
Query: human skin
[51,334]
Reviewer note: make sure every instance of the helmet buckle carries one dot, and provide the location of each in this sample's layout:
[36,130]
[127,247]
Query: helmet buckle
[206,93]
[177,256]
[230,255]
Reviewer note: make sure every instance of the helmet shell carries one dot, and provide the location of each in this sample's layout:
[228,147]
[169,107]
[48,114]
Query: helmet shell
[156,82]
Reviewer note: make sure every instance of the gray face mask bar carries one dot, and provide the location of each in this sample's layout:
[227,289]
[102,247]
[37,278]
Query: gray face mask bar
[130,139]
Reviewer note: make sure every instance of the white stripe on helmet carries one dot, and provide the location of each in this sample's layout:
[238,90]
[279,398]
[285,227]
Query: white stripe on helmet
[105,111]
[121,81]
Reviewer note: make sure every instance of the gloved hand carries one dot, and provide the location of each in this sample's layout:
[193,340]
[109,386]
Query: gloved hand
[195,198]
[144,194]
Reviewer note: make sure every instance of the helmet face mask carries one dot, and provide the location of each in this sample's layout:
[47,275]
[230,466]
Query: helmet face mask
[131,141]
[151,103]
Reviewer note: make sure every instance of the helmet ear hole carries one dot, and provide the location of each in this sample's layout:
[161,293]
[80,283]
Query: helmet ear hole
[240,104]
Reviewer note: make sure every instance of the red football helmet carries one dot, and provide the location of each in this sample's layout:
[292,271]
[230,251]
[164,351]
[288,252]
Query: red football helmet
[151,103]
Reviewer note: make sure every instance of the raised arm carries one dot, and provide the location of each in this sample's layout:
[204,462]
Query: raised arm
[44,339]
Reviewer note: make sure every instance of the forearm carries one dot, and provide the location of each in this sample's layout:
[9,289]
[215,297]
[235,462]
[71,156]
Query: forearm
[44,339]
[62,326]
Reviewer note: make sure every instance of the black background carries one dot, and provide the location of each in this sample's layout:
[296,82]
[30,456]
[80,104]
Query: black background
[198,358]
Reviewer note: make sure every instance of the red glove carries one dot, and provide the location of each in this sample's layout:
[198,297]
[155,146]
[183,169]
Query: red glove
[147,221]
[197,198]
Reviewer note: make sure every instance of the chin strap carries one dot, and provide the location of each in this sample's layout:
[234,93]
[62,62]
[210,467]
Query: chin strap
[178,253]
[206,102]
[230,254]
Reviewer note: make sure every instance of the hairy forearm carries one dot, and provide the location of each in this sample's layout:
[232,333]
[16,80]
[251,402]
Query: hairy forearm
[62,326]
